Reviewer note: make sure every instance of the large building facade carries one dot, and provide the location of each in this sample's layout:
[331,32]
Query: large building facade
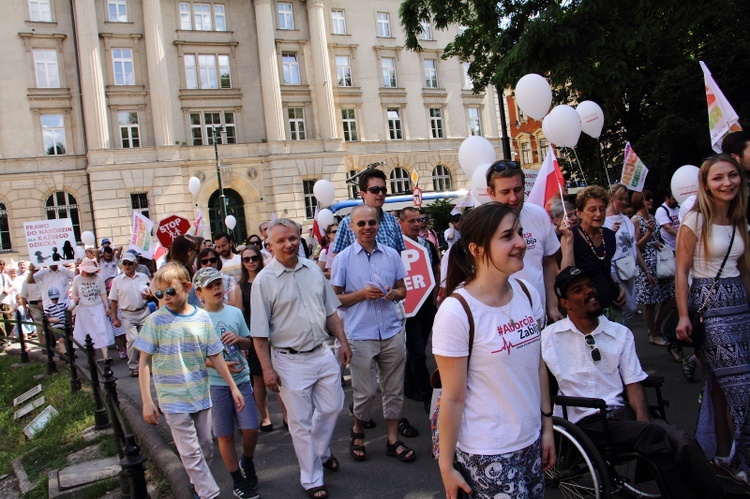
[109,107]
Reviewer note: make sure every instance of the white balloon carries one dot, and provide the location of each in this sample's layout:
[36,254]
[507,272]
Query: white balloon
[324,192]
[80,253]
[479,185]
[592,118]
[87,238]
[685,182]
[475,151]
[194,186]
[534,95]
[562,126]
[230,222]
[325,218]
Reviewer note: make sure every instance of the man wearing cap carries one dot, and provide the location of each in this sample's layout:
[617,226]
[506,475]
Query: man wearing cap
[128,295]
[593,357]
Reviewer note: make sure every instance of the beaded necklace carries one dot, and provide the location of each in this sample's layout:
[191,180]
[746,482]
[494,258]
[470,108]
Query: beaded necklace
[591,243]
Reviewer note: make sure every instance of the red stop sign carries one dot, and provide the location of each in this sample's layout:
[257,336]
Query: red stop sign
[170,228]
[419,279]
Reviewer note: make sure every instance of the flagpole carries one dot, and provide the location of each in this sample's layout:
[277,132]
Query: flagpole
[604,164]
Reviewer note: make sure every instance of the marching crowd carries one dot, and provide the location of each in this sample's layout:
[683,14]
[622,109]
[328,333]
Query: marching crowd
[526,295]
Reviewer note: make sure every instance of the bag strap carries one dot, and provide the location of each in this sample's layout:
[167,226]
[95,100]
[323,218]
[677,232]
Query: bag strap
[718,275]
[470,317]
[525,290]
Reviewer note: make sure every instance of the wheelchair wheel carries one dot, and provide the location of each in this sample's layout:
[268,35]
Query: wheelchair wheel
[579,470]
[629,479]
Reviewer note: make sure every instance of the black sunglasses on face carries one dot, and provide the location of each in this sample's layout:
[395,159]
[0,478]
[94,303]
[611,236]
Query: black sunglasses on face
[424,219]
[207,261]
[127,262]
[254,243]
[170,291]
[248,259]
[501,166]
[377,190]
[596,355]
[371,223]
[333,231]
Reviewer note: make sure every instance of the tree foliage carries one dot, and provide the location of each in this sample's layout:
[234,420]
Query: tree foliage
[638,59]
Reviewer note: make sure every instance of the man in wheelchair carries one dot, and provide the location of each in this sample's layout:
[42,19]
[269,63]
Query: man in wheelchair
[593,357]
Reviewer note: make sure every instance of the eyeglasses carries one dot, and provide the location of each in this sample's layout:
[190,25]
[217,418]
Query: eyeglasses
[424,219]
[248,259]
[160,293]
[501,166]
[209,261]
[371,223]
[127,262]
[596,355]
[377,190]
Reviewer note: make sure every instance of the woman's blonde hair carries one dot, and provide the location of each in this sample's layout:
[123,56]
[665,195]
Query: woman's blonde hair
[706,207]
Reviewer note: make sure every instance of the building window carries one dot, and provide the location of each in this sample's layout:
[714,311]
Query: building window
[139,203]
[5,243]
[400,183]
[338,22]
[475,123]
[468,84]
[526,153]
[286,15]
[117,11]
[296,123]
[430,73]
[207,71]
[353,186]
[543,147]
[198,16]
[53,135]
[310,202]
[291,68]
[40,10]
[441,178]
[130,130]
[45,67]
[384,24]
[63,205]
[394,124]
[426,33]
[436,123]
[202,125]
[388,66]
[350,125]
[344,71]
[122,63]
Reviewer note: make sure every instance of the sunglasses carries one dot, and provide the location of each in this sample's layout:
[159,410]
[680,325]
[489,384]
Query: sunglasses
[596,355]
[254,243]
[371,223]
[377,190]
[424,219]
[648,198]
[169,291]
[127,262]
[248,259]
[208,261]
[501,166]
[333,231]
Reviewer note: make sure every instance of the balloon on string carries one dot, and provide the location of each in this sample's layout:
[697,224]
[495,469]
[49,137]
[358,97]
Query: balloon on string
[592,118]
[562,126]
[534,95]
[230,222]
[87,238]
[324,192]
[80,253]
[685,182]
[194,186]
[325,218]
[475,151]
[479,185]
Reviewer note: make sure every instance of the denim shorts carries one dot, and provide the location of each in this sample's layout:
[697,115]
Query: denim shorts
[224,412]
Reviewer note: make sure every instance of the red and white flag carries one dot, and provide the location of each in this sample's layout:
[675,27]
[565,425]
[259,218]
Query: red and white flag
[722,118]
[317,229]
[549,181]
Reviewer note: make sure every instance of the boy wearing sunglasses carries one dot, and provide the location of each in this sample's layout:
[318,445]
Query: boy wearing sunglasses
[176,340]
[593,357]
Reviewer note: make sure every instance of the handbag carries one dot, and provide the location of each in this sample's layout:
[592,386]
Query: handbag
[625,267]
[665,263]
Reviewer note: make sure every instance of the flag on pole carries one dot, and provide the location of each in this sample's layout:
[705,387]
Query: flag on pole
[633,170]
[549,181]
[722,119]
[141,240]
[199,227]
[317,229]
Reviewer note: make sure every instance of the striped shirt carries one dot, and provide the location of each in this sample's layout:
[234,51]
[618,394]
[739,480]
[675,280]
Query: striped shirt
[179,345]
[389,234]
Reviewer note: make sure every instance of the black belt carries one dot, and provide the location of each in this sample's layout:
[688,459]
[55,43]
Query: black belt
[133,311]
[36,302]
[293,351]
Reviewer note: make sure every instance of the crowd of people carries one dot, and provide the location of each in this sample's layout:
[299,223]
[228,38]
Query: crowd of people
[525,293]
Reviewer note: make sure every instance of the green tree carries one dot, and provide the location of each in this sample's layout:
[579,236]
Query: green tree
[638,59]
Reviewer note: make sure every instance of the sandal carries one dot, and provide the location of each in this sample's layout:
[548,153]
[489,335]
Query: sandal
[407,430]
[676,352]
[312,493]
[332,464]
[369,425]
[658,340]
[354,449]
[392,450]
[688,368]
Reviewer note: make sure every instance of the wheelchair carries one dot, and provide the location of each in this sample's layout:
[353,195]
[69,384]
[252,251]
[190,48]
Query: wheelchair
[583,470]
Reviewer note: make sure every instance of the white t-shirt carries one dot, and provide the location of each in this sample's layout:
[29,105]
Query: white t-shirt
[541,241]
[60,279]
[668,216]
[87,291]
[625,238]
[232,266]
[718,245]
[456,236]
[503,397]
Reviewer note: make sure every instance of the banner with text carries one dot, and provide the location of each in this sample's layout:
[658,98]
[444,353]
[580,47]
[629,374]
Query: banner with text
[142,242]
[50,242]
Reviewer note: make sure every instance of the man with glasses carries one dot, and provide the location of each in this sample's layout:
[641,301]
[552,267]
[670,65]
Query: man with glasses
[593,357]
[129,296]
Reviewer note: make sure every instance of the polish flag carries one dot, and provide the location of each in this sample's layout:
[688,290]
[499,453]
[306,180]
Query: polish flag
[549,182]
[317,231]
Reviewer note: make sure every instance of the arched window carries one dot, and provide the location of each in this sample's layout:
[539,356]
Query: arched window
[400,183]
[63,205]
[5,244]
[352,187]
[235,206]
[441,178]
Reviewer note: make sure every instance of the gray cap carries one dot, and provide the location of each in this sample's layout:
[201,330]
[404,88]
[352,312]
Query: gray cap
[129,256]
[206,276]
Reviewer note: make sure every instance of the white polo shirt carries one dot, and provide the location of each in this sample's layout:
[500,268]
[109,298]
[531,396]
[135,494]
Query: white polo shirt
[126,291]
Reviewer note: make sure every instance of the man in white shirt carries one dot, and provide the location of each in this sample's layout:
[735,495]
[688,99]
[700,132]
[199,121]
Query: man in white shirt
[231,262]
[593,357]
[53,276]
[31,300]
[453,232]
[668,219]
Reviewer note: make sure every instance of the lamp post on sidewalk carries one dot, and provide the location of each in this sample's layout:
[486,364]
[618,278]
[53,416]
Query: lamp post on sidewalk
[216,130]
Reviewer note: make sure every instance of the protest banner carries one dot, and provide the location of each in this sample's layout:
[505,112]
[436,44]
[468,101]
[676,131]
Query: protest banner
[141,240]
[50,242]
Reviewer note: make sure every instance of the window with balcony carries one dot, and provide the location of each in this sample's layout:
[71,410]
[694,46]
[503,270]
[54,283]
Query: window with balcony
[202,126]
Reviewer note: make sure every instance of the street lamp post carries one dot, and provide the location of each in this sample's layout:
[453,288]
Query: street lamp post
[223,200]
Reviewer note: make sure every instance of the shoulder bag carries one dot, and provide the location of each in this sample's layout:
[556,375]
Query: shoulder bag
[665,263]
